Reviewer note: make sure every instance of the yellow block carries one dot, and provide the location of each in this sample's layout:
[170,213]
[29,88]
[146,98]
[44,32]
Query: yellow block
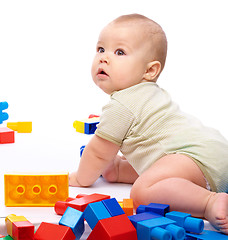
[26,190]
[13,218]
[79,126]
[20,127]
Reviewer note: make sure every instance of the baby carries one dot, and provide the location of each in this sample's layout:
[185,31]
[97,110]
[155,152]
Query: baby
[168,156]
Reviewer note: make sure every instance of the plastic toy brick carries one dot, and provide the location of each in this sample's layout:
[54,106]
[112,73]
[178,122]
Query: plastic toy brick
[185,220]
[10,219]
[159,228]
[75,220]
[81,150]
[87,126]
[6,135]
[114,228]
[113,207]
[93,116]
[3,115]
[52,231]
[20,127]
[142,216]
[1,236]
[35,189]
[7,238]
[128,206]
[95,212]
[158,208]
[81,203]
[23,230]
[207,235]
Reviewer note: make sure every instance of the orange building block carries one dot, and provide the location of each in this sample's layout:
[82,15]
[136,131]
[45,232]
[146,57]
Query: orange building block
[6,135]
[24,190]
[114,228]
[52,231]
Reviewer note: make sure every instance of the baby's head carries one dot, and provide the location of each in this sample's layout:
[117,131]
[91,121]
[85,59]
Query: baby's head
[130,50]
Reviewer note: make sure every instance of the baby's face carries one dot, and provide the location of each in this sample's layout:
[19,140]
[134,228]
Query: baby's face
[121,59]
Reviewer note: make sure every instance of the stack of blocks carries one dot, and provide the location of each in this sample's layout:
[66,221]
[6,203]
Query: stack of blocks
[87,126]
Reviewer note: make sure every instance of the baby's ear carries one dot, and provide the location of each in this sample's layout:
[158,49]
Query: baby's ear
[153,70]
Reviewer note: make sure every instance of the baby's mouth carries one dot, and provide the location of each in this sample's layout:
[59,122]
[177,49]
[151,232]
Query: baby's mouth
[101,72]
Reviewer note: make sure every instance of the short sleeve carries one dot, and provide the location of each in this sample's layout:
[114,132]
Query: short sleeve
[115,122]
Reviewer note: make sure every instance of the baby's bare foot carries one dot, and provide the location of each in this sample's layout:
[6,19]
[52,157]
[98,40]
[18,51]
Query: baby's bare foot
[216,211]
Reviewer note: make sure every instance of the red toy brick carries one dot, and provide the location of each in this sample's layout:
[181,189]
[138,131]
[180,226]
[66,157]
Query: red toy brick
[114,228]
[1,236]
[23,230]
[82,202]
[50,231]
[6,135]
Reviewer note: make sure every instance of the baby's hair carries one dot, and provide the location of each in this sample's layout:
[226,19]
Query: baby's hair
[153,32]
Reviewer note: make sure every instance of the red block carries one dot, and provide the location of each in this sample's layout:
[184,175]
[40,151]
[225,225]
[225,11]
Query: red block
[23,230]
[114,228]
[50,231]
[6,135]
[82,202]
[1,236]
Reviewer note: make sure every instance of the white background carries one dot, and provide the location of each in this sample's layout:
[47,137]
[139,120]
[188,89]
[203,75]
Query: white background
[46,50]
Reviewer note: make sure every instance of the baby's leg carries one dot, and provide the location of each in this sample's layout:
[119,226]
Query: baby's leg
[176,180]
[120,171]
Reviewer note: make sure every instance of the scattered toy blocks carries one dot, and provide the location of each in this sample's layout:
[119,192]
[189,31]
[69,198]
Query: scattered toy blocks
[20,127]
[52,231]
[35,189]
[75,220]
[87,126]
[113,207]
[6,135]
[3,115]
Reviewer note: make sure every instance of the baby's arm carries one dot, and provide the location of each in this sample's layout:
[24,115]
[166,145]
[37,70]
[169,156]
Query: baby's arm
[95,159]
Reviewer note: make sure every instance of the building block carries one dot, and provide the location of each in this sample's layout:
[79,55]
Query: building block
[128,206]
[24,190]
[81,203]
[159,228]
[75,220]
[114,228]
[10,219]
[23,230]
[142,216]
[6,135]
[20,127]
[158,208]
[86,126]
[82,149]
[1,236]
[95,212]
[52,231]
[185,220]
[207,235]
[3,115]
[113,207]
[6,238]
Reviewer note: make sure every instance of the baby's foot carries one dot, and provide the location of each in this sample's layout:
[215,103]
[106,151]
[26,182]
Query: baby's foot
[216,211]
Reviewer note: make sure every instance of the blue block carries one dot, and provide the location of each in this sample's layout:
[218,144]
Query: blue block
[90,128]
[95,212]
[185,220]
[113,207]
[159,228]
[82,149]
[207,235]
[141,209]
[75,220]
[158,208]
[3,115]
[142,216]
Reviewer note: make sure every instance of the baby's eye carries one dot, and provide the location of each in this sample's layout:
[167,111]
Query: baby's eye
[119,52]
[100,49]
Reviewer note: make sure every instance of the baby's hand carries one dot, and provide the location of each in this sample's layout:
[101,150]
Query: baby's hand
[73,180]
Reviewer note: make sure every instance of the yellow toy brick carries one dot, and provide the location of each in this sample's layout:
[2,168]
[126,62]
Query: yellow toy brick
[20,127]
[27,190]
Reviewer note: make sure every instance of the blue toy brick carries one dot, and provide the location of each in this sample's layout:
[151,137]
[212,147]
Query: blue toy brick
[113,207]
[158,208]
[207,235]
[141,209]
[142,216]
[95,212]
[90,128]
[75,220]
[185,220]
[3,115]
[159,228]
[81,150]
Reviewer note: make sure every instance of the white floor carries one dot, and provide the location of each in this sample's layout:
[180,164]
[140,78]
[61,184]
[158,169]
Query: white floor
[40,153]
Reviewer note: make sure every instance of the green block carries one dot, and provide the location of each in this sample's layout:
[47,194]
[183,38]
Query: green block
[7,238]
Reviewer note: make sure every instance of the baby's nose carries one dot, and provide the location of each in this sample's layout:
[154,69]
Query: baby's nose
[104,59]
